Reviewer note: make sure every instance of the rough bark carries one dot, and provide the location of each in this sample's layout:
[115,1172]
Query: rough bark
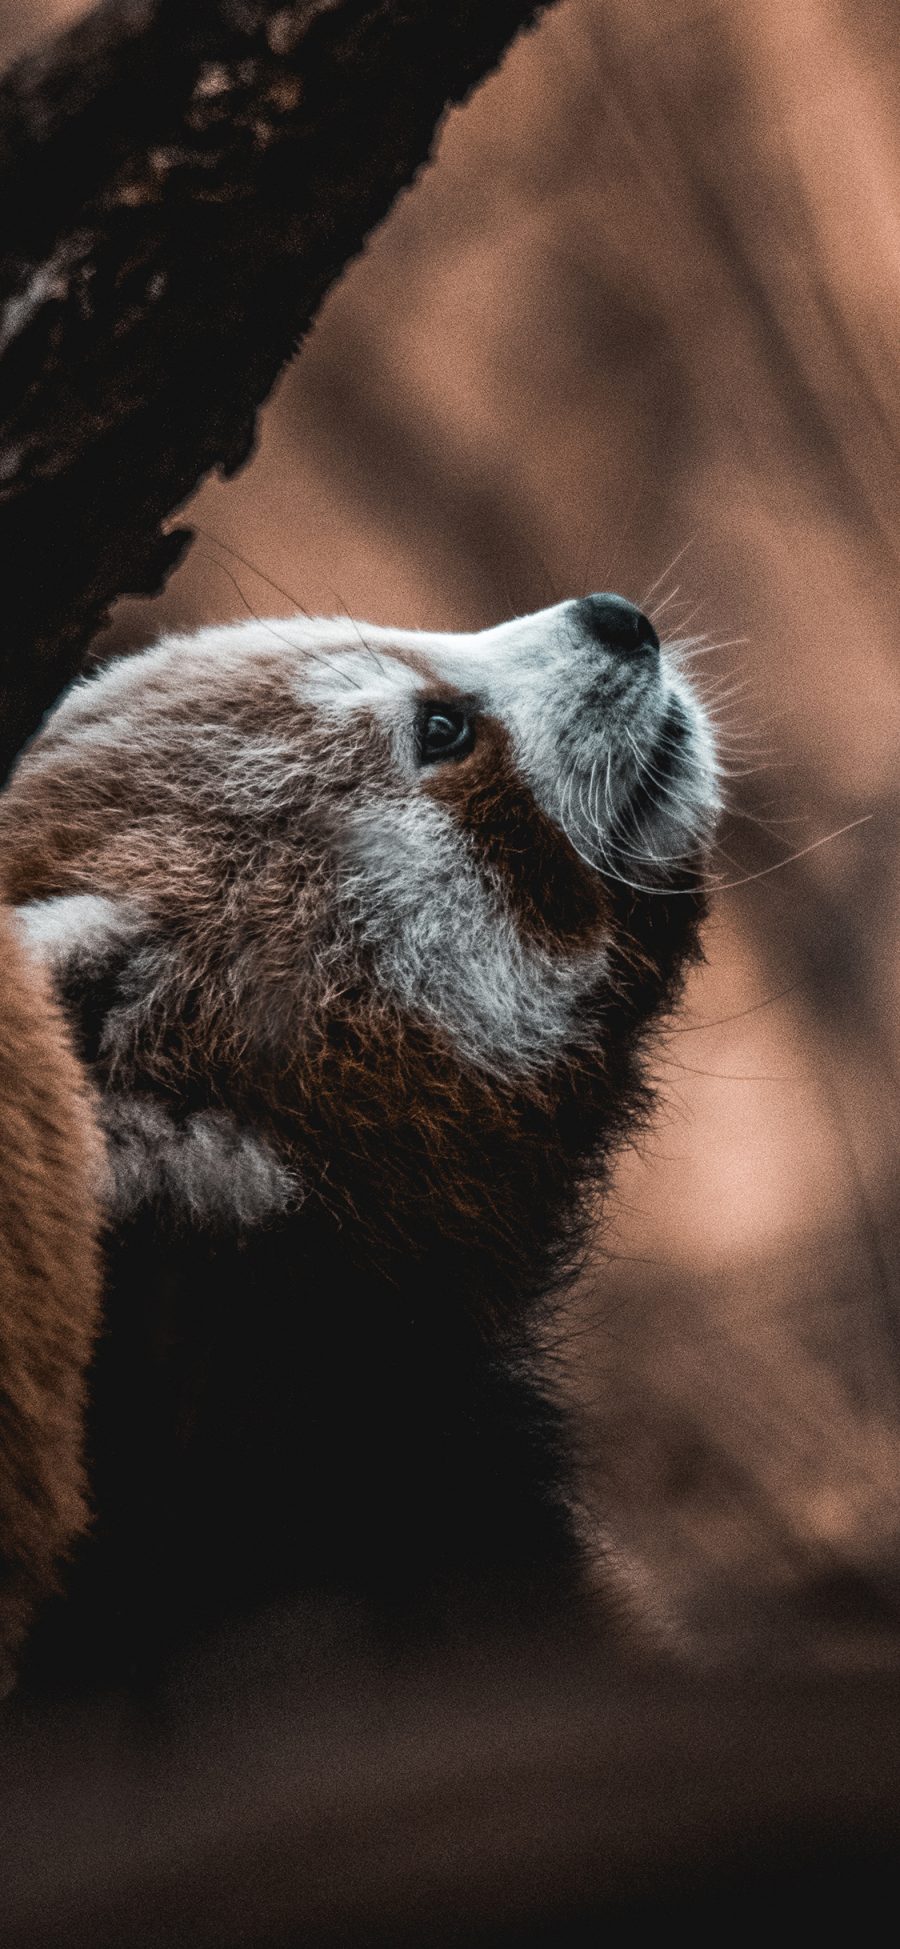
[182,180]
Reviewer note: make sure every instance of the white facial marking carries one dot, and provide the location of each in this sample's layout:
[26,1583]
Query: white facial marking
[446,946]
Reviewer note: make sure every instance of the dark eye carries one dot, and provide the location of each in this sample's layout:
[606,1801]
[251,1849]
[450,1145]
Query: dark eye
[446,733]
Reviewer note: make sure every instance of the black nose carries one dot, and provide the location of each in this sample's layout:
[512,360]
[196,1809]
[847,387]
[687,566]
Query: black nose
[617,624]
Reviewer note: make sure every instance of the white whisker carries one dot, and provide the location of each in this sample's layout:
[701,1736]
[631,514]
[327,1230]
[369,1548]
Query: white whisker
[666,571]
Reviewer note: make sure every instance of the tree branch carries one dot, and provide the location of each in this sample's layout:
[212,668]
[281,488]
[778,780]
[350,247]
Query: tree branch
[182,180]
[535,1804]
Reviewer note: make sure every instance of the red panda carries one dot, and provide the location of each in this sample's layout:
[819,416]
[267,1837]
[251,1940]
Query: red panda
[361,931]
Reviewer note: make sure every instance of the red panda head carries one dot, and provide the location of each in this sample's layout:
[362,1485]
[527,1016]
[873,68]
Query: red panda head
[350,913]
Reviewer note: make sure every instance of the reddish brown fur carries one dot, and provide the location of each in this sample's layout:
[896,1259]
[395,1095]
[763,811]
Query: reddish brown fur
[49,1282]
[557,900]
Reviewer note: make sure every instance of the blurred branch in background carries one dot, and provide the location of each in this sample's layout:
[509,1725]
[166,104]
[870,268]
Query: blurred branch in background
[180,186]
[523,1802]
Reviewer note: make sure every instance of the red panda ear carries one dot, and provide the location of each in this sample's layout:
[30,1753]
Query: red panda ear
[205,1166]
[78,934]
[84,942]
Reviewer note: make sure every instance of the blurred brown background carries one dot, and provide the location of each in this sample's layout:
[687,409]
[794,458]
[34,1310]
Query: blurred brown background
[636,329]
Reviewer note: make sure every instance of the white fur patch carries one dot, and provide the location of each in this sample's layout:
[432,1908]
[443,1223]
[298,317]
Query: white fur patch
[447,949]
[77,930]
[207,1166]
